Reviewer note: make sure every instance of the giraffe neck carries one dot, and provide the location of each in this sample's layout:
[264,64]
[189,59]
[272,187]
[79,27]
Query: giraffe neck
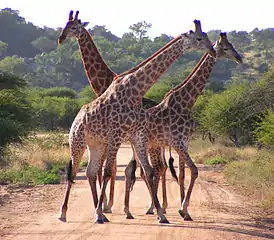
[142,79]
[186,93]
[100,76]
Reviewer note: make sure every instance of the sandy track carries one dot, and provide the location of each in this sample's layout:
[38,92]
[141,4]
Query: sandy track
[217,211]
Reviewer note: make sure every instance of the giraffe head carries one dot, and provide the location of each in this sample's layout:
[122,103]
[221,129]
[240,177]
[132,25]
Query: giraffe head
[73,28]
[198,39]
[224,49]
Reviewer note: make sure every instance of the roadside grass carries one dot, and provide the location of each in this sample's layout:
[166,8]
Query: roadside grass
[255,178]
[249,170]
[37,160]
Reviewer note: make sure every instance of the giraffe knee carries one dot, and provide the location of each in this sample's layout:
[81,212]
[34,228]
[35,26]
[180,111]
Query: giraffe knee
[107,173]
[91,175]
[194,171]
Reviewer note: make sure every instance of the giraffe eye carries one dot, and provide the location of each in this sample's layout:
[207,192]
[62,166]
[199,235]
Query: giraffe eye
[199,39]
[225,49]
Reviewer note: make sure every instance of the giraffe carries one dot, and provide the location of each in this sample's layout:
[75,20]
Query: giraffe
[117,116]
[170,123]
[99,75]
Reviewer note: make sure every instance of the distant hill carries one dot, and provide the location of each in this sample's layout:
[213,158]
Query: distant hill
[32,53]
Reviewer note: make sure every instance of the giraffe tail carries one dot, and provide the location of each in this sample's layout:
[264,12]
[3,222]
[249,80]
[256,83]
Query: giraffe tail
[132,174]
[69,176]
[171,166]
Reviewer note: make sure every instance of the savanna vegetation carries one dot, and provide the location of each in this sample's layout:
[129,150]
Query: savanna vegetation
[43,85]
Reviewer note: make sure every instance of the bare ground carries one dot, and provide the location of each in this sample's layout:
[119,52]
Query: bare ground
[218,212]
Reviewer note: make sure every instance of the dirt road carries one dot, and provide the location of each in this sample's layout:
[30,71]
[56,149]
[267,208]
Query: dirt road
[218,213]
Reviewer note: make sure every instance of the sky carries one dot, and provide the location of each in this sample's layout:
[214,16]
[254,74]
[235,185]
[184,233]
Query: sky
[171,17]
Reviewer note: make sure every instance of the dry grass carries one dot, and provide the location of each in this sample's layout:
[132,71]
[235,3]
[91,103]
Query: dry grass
[39,151]
[250,170]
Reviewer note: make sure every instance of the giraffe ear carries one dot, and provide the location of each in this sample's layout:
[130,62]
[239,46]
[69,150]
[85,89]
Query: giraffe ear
[84,24]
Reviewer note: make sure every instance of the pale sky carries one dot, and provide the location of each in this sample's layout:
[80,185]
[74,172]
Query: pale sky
[171,17]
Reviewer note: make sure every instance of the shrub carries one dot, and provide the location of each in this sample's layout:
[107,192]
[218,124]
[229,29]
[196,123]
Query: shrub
[216,160]
[265,130]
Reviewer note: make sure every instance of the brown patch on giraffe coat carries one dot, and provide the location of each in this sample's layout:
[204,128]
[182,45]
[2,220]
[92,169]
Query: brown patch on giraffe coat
[89,46]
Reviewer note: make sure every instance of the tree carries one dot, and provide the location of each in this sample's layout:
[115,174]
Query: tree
[44,44]
[3,49]
[140,29]
[14,65]
[15,111]
[158,91]
[265,130]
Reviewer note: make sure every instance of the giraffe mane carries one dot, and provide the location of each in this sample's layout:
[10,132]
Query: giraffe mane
[148,59]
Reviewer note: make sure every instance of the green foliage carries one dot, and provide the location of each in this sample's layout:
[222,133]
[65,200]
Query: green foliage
[158,91]
[220,115]
[15,112]
[265,130]
[9,81]
[55,112]
[31,175]
[13,65]
[32,53]
[140,29]
[58,92]
[215,161]
[87,95]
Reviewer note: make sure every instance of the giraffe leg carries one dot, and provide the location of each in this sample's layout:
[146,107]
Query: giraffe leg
[112,150]
[140,147]
[93,170]
[162,174]
[185,158]
[76,154]
[128,185]
[163,178]
[150,209]
[99,175]
[107,207]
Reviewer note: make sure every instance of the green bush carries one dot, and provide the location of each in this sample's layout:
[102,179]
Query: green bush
[265,130]
[55,112]
[32,175]
[158,91]
[15,111]
[216,160]
[58,92]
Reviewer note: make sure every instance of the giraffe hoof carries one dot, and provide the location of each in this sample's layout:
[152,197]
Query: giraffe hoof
[105,219]
[185,216]
[62,219]
[164,221]
[100,221]
[129,216]
[188,218]
[149,212]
